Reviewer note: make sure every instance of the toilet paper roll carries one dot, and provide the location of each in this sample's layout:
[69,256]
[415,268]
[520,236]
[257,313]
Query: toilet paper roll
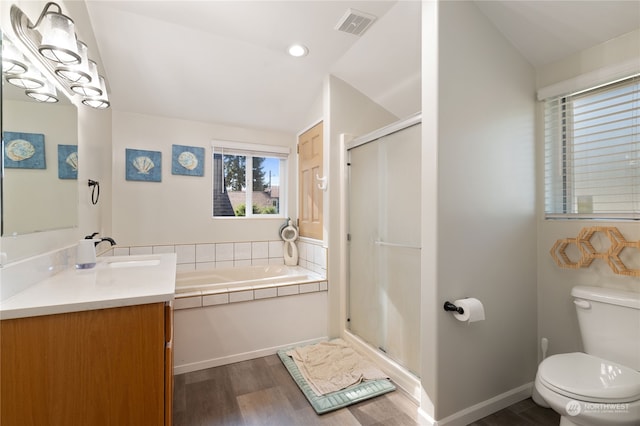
[473,310]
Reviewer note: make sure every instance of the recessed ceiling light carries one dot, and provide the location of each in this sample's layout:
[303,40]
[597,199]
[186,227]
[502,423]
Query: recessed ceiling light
[298,50]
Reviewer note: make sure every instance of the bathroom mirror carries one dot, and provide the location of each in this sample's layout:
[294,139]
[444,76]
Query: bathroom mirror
[39,167]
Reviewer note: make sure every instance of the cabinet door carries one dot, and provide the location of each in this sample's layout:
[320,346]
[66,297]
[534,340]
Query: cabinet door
[168,364]
[101,367]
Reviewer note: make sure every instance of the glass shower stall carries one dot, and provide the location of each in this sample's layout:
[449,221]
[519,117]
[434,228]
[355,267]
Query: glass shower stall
[384,195]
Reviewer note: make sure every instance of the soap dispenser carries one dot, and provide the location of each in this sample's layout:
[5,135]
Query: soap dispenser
[86,253]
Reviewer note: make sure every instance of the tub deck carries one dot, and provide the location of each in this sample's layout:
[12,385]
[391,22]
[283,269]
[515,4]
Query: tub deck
[229,285]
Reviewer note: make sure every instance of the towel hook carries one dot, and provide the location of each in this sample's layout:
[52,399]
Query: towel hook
[323,182]
[94,185]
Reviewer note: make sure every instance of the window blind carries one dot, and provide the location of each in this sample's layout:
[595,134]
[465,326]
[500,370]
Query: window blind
[250,149]
[592,152]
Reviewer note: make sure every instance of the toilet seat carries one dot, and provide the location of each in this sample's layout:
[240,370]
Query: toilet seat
[588,378]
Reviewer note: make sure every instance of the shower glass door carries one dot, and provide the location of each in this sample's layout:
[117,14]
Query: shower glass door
[384,247]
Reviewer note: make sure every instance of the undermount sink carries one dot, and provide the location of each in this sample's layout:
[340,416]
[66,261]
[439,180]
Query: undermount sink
[133,263]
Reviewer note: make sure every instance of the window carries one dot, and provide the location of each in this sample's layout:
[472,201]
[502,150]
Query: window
[592,153]
[249,175]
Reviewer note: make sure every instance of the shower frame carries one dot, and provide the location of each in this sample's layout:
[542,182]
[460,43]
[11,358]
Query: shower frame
[407,380]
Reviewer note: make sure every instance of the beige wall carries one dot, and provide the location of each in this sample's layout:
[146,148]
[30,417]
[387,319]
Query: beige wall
[556,314]
[179,209]
[479,228]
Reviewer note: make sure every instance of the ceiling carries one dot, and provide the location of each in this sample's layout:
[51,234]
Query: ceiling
[225,61]
[546,31]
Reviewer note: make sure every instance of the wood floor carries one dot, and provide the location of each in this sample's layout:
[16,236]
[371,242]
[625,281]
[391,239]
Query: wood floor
[261,392]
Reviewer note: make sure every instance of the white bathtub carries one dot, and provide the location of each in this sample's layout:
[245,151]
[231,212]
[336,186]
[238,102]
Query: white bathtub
[234,314]
[243,278]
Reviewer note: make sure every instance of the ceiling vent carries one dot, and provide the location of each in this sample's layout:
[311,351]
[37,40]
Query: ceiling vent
[355,22]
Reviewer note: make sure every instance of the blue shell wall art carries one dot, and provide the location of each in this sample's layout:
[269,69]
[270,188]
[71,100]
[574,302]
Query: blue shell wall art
[67,161]
[24,150]
[143,165]
[187,160]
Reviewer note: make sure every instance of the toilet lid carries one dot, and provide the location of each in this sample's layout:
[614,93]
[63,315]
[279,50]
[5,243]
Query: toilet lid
[588,378]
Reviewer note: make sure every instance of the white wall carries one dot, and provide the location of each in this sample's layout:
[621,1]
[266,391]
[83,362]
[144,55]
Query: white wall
[556,314]
[479,207]
[178,209]
[217,335]
[95,164]
[347,111]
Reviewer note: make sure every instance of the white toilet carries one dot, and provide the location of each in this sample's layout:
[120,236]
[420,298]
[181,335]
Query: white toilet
[600,387]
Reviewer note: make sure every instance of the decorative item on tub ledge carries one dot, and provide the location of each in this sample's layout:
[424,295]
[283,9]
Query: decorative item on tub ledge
[588,252]
[289,234]
[52,42]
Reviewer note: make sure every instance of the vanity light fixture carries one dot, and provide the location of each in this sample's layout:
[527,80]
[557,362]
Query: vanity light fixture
[77,73]
[92,88]
[59,42]
[31,79]
[298,50]
[100,101]
[21,73]
[12,60]
[46,93]
[52,42]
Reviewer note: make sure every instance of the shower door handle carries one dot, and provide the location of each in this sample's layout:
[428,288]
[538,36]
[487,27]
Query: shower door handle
[382,243]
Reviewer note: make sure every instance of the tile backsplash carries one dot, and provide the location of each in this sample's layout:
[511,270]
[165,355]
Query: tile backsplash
[311,254]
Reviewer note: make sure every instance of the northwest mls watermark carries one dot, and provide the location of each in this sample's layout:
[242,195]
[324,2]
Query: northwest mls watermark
[576,407]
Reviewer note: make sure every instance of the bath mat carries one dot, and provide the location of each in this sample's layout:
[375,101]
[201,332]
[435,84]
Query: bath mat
[333,365]
[339,399]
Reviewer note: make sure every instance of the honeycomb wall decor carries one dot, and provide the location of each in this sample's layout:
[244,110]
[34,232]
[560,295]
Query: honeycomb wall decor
[588,253]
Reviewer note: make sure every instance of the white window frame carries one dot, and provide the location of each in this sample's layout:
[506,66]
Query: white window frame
[251,150]
[560,200]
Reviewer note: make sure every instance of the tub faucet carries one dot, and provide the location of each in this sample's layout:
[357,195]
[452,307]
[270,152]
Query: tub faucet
[99,240]
[111,240]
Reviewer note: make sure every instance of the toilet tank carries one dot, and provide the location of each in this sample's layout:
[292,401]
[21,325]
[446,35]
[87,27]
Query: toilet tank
[609,322]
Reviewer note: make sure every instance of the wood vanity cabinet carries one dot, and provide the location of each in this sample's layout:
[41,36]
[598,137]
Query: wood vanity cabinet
[100,367]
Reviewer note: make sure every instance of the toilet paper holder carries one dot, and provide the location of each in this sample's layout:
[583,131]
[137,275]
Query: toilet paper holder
[450,307]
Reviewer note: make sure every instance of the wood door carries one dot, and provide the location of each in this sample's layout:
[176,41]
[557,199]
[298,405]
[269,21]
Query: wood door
[100,367]
[309,195]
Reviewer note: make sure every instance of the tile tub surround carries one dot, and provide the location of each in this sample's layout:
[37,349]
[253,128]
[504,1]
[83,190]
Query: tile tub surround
[233,285]
[224,296]
[191,257]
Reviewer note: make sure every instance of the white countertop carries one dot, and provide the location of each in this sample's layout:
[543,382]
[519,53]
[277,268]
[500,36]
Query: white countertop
[114,282]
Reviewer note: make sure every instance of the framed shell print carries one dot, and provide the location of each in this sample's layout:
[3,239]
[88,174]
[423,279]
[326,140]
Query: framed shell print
[68,161]
[143,165]
[187,160]
[24,150]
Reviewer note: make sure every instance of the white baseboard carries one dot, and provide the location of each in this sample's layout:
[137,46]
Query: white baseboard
[230,359]
[482,409]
